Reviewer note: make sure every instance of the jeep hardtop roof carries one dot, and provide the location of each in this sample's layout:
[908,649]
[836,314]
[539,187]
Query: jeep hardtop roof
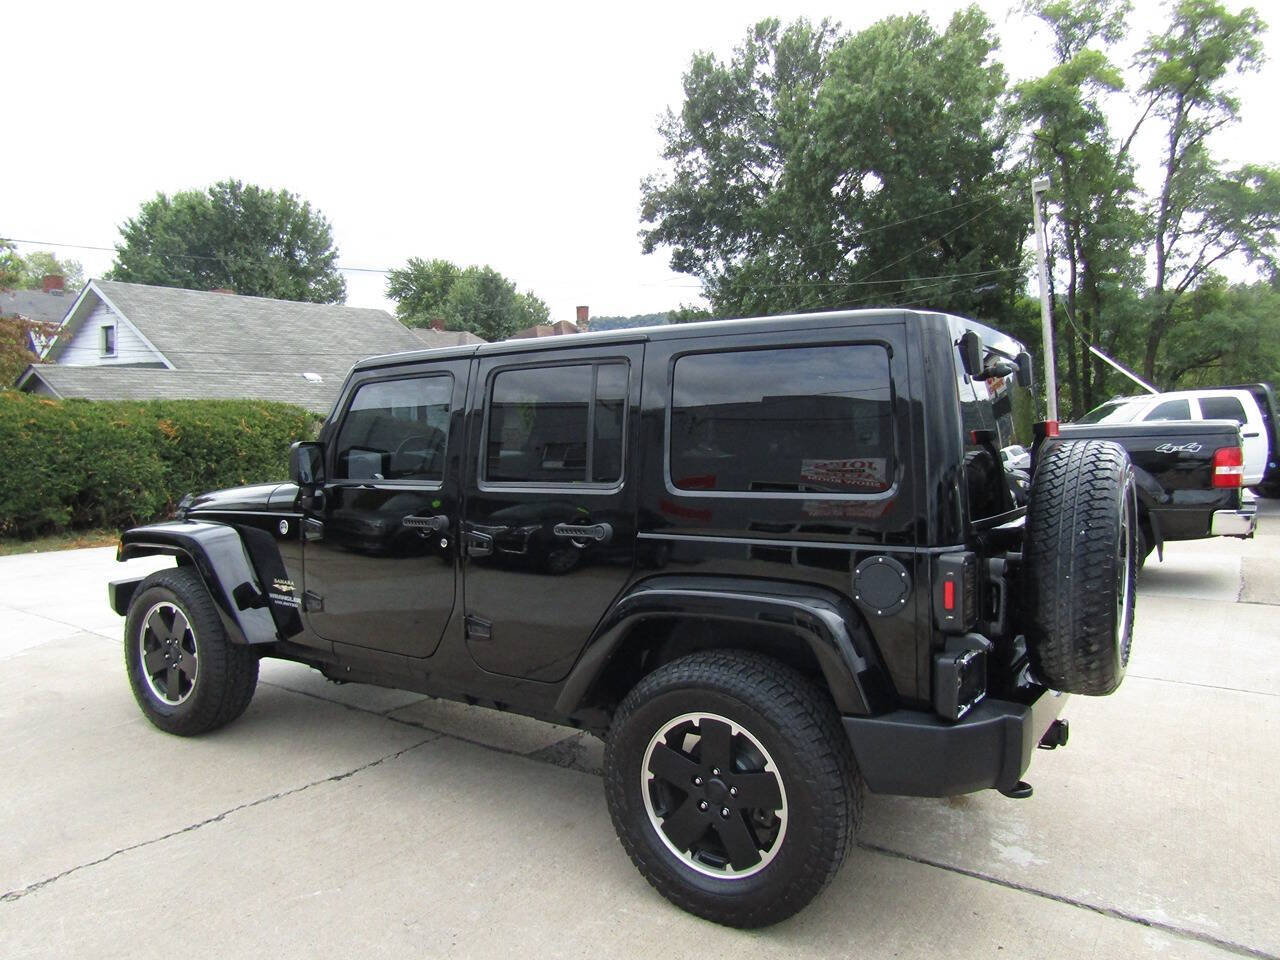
[675,331]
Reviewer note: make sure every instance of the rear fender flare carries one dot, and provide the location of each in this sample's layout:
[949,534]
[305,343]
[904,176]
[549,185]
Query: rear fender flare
[217,553]
[825,621]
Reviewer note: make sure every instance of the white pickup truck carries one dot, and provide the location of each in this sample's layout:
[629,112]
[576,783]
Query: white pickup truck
[1236,404]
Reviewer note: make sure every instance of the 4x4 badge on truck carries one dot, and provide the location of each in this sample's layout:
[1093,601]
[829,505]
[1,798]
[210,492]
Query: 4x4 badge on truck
[1184,448]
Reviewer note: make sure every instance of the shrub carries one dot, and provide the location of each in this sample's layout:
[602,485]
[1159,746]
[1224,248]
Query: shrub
[80,463]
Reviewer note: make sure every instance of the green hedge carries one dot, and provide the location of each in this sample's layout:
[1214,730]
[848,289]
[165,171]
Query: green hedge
[72,464]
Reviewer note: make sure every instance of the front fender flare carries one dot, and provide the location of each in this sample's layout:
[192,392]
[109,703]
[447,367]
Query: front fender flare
[826,622]
[217,553]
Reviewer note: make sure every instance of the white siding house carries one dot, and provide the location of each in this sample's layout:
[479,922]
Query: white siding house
[106,338]
[130,341]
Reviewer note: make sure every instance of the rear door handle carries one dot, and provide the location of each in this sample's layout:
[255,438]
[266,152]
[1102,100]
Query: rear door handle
[1251,433]
[436,524]
[599,532]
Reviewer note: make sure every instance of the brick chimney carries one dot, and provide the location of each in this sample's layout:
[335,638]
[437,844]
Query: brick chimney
[223,290]
[53,283]
[584,318]
[437,323]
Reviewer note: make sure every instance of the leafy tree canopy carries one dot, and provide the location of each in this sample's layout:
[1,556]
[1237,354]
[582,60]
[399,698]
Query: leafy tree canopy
[28,272]
[817,170]
[257,242]
[476,299]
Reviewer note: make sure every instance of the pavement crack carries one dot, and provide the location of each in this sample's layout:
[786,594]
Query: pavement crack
[1206,686]
[1111,912]
[13,895]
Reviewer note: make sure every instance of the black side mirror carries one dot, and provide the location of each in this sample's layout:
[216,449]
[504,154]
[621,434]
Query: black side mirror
[306,463]
[971,353]
[1026,372]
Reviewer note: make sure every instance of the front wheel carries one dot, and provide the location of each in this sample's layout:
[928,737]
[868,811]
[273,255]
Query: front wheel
[187,677]
[732,786]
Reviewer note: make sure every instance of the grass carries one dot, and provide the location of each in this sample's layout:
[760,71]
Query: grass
[73,540]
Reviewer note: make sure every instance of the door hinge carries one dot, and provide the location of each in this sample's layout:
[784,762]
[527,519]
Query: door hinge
[312,602]
[479,629]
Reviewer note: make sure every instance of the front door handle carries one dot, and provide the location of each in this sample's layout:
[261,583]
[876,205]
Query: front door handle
[436,524]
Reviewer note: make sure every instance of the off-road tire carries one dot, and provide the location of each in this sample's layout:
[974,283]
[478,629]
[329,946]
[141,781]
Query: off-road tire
[226,675]
[796,722]
[1081,562]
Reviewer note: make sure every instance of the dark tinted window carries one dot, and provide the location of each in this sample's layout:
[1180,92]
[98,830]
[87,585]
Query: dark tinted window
[1222,408]
[395,430]
[1170,410]
[805,419]
[557,424]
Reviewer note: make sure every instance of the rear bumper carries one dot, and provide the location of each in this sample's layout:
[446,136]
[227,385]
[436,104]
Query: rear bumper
[1236,523]
[916,754]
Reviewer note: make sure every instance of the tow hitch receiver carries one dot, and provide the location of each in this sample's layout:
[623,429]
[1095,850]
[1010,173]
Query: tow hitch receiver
[1055,736]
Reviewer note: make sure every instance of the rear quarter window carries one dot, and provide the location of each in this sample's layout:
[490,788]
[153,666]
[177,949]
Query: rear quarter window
[789,420]
[1222,408]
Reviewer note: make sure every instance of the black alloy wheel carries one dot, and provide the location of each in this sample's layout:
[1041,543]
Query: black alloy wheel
[186,675]
[732,786]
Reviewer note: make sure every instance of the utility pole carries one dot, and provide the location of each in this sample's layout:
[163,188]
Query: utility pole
[1038,187]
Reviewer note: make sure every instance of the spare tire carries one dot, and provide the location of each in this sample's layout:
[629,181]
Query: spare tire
[1081,568]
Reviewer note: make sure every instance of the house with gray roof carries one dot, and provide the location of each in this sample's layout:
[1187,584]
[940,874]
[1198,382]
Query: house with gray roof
[129,341]
[47,306]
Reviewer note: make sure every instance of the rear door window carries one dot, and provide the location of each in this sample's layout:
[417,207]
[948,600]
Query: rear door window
[793,420]
[1170,410]
[557,424]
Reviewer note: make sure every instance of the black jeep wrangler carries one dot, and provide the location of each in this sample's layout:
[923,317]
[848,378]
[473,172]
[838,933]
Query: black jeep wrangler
[767,561]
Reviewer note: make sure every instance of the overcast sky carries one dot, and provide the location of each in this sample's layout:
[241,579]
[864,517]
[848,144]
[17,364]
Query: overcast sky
[513,135]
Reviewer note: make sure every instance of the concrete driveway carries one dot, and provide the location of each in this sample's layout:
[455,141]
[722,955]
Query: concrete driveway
[355,822]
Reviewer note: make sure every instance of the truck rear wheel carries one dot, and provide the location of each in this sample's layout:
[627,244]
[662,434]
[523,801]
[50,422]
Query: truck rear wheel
[732,786]
[1081,562]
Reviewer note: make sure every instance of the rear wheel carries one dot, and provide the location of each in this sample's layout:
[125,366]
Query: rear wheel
[1081,556]
[187,677]
[732,786]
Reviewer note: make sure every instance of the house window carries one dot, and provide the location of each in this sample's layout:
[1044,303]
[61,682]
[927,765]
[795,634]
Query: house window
[109,341]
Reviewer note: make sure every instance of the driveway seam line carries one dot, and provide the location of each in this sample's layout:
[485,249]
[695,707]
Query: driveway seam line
[1111,912]
[14,895]
[1204,686]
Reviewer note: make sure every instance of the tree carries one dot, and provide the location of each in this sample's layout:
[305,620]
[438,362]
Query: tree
[815,170]
[476,299]
[40,264]
[11,265]
[1203,214]
[1097,232]
[257,242]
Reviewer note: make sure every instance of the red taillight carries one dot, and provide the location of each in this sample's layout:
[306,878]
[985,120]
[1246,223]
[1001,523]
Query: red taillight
[948,595]
[1051,428]
[1228,467]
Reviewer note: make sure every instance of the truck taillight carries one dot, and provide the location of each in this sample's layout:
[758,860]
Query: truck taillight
[955,592]
[1228,467]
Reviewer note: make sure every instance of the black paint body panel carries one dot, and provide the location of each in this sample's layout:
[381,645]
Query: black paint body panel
[527,597]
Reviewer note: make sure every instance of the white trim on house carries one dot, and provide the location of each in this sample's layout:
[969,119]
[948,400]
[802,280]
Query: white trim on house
[80,314]
[129,325]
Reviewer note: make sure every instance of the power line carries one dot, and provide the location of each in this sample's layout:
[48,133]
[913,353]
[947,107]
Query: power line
[183,256]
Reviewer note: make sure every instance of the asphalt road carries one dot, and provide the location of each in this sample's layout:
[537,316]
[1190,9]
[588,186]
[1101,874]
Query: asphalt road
[348,821]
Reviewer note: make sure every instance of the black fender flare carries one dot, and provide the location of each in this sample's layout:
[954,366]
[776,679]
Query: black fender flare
[218,555]
[827,622]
